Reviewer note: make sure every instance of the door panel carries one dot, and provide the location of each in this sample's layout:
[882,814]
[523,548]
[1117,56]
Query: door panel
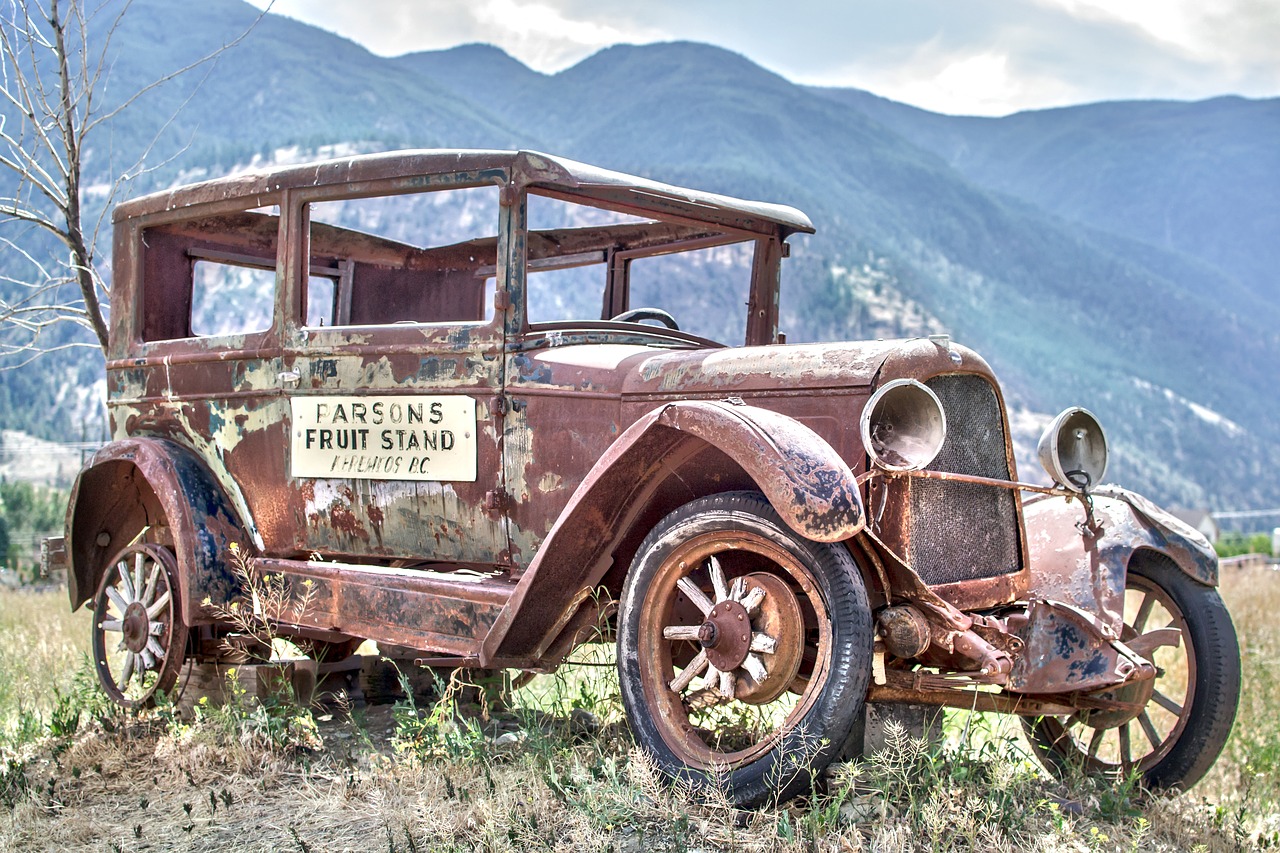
[407,429]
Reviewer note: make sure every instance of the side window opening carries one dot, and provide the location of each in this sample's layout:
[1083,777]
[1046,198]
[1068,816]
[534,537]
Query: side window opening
[707,289]
[412,258]
[590,264]
[567,269]
[229,298]
[209,276]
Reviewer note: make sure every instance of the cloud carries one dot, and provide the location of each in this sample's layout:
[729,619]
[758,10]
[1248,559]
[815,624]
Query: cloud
[1228,40]
[547,39]
[542,34]
[984,57]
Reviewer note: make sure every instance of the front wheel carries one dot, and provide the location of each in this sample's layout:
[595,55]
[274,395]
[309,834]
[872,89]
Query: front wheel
[1187,712]
[744,650]
[139,638]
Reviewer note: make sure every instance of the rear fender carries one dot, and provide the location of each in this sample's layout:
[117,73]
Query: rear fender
[807,482]
[138,484]
[1072,564]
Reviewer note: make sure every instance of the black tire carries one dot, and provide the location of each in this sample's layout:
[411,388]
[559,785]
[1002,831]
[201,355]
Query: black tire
[139,638]
[805,597]
[1188,717]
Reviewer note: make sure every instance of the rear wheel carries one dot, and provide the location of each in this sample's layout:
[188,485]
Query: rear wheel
[1186,712]
[744,650]
[139,638]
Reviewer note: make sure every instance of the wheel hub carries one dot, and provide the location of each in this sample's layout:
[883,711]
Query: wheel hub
[726,635]
[136,626]
[708,634]
[780,619]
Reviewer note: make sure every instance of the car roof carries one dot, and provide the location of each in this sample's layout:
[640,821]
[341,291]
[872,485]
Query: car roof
[399,169]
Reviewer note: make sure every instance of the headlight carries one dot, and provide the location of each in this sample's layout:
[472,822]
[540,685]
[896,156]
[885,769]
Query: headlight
[1074,450]
[903,426]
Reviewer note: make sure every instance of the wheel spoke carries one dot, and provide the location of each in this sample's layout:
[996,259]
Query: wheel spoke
[728,685]
[718,582]
[1126,752]
[690,672]
[137,575]
[738,588]
[155,628]
[117,600]
[148,661]
[1149,729]
[696,595]
[1144,611]
[150,592]
[126,671]
[1168,704]
[751,603]
[1095,743]
[158,606]
[155,648]
[114,625]
[126,583]
[763,643]
[755,668]
[681,632]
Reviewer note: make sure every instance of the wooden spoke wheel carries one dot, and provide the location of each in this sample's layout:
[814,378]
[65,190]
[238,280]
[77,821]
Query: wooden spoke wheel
[139,638]
[1179,721]
[722,604]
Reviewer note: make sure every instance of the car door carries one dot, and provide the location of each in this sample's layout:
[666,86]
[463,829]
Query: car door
[392,369]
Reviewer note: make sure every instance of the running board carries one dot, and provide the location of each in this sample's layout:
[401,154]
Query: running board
[444,613]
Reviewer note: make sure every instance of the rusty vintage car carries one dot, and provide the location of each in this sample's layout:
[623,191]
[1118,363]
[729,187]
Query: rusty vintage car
[474,404]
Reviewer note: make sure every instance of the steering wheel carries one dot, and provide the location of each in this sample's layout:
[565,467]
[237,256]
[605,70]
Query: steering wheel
[637,315]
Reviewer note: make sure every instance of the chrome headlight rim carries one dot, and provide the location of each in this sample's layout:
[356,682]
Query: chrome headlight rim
[912,415]
[1073,450]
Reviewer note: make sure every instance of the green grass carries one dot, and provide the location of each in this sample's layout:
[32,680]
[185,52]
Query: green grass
[557,769]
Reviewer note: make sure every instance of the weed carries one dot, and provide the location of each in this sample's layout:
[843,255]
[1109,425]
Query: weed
[14,786]
[266,601]
[439,732]
[297,839]
[278,721]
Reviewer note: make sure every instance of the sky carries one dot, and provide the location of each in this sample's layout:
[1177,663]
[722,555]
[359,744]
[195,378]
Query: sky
[970,57]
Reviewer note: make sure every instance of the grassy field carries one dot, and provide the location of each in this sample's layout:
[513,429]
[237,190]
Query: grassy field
[558,772]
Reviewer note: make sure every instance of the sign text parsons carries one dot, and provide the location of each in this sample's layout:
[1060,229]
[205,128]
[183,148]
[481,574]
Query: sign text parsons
[385,438]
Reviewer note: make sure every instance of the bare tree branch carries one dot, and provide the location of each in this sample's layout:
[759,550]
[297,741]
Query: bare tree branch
[53,76]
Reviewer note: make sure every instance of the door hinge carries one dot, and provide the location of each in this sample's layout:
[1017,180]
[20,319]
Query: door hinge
[496,500]
[503,404]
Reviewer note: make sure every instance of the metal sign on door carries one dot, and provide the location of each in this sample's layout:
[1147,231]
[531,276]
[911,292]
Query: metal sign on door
[385,438]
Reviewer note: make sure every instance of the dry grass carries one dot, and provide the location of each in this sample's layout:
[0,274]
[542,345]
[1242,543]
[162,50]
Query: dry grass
[41,644]
[232,780]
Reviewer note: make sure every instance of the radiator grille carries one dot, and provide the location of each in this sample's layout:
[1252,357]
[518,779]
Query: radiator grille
[961,531]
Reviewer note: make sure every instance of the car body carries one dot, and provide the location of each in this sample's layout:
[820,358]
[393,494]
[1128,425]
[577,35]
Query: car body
[425,388]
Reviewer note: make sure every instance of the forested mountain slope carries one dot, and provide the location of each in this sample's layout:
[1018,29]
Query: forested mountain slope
[1036,238]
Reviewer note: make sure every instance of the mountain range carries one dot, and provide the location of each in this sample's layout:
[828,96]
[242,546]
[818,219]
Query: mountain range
[1120,256]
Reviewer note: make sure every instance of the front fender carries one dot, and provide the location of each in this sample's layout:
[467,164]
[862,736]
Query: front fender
[1073,565]
[807,482]
[137,483]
